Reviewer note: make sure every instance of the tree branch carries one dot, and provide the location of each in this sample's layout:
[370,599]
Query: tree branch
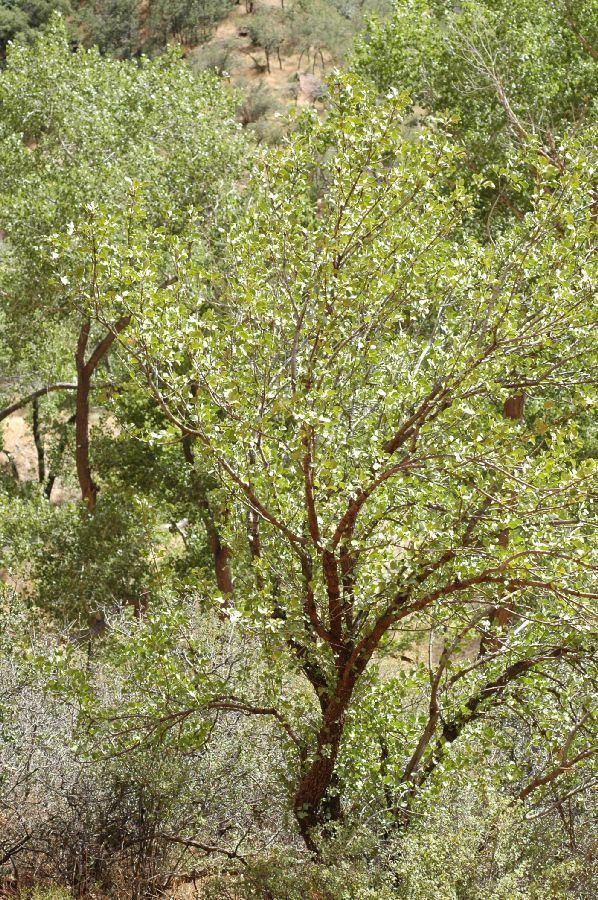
[199,845]
[104,345]
[40,392]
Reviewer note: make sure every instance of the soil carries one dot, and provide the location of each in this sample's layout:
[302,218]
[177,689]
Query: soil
[18,447]
[247,63]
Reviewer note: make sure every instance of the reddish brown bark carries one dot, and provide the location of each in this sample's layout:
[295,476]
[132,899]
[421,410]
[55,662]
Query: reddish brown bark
[85,370]
[221,554]
[89,489]
[316,781]
[222,557]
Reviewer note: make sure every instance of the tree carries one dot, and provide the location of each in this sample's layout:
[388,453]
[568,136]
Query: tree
[111,25]
[19,18]
[266,28]
[82,133]
[510,72]
[315,26]
[184,21]
[355,381]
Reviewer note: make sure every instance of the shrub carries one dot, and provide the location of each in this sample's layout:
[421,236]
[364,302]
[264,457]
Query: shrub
[257,103]
[112,25]
[219,57]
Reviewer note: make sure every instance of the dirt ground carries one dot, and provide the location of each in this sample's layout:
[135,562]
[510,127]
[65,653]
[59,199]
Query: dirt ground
[18,453]
[292,78]
[17,441]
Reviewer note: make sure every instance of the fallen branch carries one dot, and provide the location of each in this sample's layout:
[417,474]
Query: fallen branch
[206,848]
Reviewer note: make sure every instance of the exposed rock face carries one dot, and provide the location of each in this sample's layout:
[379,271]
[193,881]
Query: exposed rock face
[311,87]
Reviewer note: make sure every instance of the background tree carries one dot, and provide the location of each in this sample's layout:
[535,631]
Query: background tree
[61,163]
[316,28]
[112,25]
[20,18]
[182,21]
[267,31]
[512,74]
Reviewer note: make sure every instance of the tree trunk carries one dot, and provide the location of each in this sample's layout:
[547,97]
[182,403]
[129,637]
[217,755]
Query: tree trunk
[89,489]
[221,554]
[52,474]
[39,441]
[85,370]
[316,781]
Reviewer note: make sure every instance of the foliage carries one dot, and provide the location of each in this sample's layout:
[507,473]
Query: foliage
[150,144]
[320,623]
[20,18]
[314,27]
[113,26]
[218,56]
[59,160]
[355,371]
[256,104]
[320,28]
[511,72]
[79,567]
[183,21]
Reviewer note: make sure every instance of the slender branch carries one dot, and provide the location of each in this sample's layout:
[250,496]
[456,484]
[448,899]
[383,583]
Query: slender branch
[551,776]
[434,706]
[564,761]
[40,392]
[16,848]
[583,40]
[231,704]
[548,809]
[206,848]
[310,503]
[258,507]
[330,569]
[309,600]
[38,439]
[347,523]
[477,704]
[406,430]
